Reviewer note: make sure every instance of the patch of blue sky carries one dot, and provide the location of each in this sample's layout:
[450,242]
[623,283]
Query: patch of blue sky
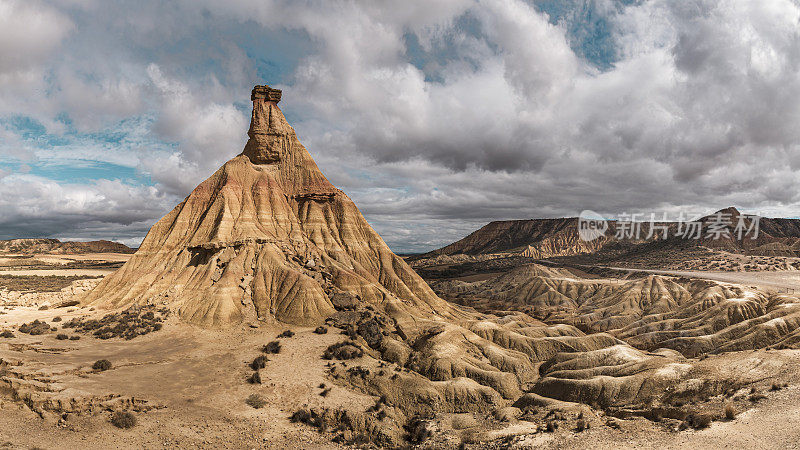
[433,57]
[83,172]
[74,157]
[589,25]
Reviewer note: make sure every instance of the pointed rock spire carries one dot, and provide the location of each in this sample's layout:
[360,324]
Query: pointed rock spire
[269,132]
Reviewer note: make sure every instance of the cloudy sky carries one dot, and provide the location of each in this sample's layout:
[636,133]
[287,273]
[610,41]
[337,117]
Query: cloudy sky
[436,117]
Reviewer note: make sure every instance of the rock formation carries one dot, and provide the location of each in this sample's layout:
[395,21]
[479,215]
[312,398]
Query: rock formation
[268,237]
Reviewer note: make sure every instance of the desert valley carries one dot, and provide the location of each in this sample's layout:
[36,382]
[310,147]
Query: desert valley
[264,311]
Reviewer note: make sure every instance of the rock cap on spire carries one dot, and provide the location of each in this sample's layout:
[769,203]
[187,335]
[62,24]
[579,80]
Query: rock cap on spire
[262,91]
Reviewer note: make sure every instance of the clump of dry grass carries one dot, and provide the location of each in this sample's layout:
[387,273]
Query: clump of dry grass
[259,363]
[343,350]
[102,365]
[62,337]
[255,401]
[255,378]
[272,347]
[321,330]
[123,419]
[34,328]
[730,411]
[286,334]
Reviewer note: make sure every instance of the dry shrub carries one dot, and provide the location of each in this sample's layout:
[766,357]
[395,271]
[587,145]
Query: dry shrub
[321,330]
[34,328]
[286,334]
[272,347]
[7,334]
[255,378]
[255,401]
[56,319]
[259,363]
[123,419]
[699,420]
[343,350]
[62,337]
[730,411]
[102,365]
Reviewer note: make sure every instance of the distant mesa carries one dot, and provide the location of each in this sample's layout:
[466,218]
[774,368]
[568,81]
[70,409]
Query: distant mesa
[54,246]
[547,238]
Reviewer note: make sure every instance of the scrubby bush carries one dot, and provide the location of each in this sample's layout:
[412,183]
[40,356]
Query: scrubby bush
[123,419]
[255,401]
[34,328]
[62,337]
[730,411]
[272,347]
[101,365]
[56,319]
[74,338]
[699,421]
[255,378]
[775,386]
[343,350]
[321,330]
[259,363]
[7,334]
[286,334]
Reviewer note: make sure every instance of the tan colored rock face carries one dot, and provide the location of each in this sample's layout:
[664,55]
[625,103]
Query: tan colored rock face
[266,236]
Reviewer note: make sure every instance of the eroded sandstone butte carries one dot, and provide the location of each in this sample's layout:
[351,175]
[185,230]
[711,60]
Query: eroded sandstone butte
[267,236]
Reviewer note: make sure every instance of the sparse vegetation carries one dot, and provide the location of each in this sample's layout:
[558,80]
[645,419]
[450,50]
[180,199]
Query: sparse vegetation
[254,378]
[56,319]
[74,338]
[255,401]
[699,421]
[34,328]
[286,334]
[321,330]
[7,334]
[123,419]
[128,324]
[272,347]
[62,337]
[343,350]
[259,363]
[730,411]
[36,283]
[102,365]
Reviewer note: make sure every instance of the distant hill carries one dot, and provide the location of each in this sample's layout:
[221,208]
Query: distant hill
[545,238]
[54,246]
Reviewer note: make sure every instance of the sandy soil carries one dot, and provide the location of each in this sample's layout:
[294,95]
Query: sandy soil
[194,377]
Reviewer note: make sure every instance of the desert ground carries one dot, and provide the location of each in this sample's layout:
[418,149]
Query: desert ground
[187,387]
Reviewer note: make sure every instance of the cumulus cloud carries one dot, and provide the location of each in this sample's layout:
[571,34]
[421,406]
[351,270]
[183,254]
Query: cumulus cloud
[434,117]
